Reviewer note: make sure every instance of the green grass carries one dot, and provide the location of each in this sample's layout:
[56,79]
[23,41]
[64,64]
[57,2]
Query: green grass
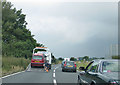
[81,64]
[12,65]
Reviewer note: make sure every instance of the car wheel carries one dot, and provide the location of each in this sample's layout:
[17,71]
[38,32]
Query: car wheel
[62,70]
[31,66]
[74,70]
[92,83]
[78,82]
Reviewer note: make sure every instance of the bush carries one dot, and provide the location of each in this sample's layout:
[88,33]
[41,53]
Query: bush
[12,64]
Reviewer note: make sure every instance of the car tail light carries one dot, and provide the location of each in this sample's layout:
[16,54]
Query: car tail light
[65,64]
[75,65]
[32,60]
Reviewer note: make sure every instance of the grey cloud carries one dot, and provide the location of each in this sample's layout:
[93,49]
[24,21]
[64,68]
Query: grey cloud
[74,29]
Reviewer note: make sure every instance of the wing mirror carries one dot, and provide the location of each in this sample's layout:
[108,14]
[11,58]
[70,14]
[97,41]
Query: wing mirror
[82,68]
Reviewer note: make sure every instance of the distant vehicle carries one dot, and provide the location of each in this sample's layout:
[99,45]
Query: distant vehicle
[46,52]
[98,72]
[38,59]
[66,59]
[68,66]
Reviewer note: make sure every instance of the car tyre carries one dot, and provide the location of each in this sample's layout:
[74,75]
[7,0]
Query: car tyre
[31,66]
[74,71]
[62,70]
[78,82]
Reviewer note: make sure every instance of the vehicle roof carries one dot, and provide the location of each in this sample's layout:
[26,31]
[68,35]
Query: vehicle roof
[101,60]
[69,61]
[39,54]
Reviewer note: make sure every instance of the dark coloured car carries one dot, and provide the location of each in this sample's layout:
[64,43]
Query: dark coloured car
[99,72]
[69,66]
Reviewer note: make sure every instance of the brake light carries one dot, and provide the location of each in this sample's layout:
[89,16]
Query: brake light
[65,64]
[32,60]
[75,65]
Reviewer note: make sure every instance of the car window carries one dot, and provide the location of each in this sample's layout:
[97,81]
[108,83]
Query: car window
[89,66]
[37,57]
[69,63]
[110,66]
[94,68]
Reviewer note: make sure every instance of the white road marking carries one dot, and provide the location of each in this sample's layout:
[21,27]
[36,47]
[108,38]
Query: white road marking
[12,74]
[54,75]
[28,67]
[54,71]
[54,81]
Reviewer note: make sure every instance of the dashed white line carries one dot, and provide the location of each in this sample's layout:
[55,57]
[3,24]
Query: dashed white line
[54,81]
[54,71]
[54,75]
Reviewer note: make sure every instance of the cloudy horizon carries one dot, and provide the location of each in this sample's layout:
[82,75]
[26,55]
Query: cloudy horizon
[73,28]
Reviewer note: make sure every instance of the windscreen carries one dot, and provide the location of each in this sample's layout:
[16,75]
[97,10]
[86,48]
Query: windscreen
[69,63]
[110,66]
[37,57]
[39,50]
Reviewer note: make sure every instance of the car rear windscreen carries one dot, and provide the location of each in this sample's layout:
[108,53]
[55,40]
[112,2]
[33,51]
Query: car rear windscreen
[37,57]
[69,63]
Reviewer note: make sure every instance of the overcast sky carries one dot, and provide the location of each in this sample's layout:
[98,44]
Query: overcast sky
[72,28]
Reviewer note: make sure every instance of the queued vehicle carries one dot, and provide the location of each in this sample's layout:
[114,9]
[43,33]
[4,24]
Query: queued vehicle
[46,52]
[68,66]
[100,72]
[38,59]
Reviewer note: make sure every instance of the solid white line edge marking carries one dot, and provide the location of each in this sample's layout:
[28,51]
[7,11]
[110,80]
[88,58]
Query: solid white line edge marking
[11,74]
[14,73]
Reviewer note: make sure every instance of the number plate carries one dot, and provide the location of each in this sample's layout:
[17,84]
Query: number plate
[36,61]
[70,66]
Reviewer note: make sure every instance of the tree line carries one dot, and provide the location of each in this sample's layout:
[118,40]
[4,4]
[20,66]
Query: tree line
[17,41]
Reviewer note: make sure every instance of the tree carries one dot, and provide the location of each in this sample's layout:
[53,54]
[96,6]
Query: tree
[17,41]
[85,58]
[73,59]
[53,58]
[61,59]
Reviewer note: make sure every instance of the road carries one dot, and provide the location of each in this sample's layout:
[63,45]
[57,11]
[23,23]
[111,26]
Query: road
[37,76]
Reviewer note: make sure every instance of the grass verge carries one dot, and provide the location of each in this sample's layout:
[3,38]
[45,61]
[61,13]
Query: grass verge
[11,65]
[82,64]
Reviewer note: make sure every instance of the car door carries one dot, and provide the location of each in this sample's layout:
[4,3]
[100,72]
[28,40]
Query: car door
[95,75]
[92,73]
[84,76]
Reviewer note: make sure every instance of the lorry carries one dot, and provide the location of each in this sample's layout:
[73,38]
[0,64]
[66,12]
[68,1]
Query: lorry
[46,52]
[66,59]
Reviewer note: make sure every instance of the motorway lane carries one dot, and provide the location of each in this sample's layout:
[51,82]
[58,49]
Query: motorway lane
[32,75]
[66,77]
[38,75]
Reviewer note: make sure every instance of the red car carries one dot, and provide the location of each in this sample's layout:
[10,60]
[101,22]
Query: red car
[37,60]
